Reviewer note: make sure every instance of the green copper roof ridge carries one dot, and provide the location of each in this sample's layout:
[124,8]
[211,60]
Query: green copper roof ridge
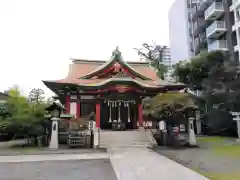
[116,53]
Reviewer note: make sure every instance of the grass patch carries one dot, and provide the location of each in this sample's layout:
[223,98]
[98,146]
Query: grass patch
[228,150]
[223,146]
[221,176]
[213,139]
[20,148]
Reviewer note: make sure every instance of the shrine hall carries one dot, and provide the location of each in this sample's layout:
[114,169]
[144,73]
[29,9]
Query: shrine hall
[112,89]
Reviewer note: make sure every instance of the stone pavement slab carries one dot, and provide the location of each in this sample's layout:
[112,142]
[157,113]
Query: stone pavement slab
[53,157]
[45,151]
[128,164]
[58,170]
[143,163]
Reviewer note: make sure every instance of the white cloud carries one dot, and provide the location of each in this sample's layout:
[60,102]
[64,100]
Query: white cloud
[37,37]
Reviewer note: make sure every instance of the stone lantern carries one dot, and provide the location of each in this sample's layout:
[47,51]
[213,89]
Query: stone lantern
[56,109]
[191,117]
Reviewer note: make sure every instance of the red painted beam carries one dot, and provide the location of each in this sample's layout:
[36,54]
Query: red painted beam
[114,88]
[67,104]
[97,115]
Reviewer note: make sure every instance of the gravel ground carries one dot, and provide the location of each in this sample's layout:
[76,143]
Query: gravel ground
[203,159]
[58,170]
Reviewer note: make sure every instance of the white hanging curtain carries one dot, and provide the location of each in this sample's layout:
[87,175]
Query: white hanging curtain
[110,112]
[128,106]
[119,114]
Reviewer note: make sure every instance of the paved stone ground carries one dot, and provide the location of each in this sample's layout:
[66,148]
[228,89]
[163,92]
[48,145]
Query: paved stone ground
[144,164]
[202,159]
[128,164]
[45,151]
[58,170]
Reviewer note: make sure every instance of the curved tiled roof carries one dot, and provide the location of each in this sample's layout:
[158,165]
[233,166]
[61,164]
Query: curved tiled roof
[80,69]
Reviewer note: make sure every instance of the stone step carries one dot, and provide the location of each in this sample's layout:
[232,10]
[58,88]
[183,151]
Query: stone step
[125,139]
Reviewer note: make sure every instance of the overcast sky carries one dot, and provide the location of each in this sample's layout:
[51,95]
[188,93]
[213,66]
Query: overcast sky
[37,37]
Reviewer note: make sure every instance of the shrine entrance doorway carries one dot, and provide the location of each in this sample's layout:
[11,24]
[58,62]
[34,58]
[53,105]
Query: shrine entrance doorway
[120,109]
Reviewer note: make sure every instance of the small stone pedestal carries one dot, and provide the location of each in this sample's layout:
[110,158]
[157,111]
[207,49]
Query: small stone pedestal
[96,139]
[54,136]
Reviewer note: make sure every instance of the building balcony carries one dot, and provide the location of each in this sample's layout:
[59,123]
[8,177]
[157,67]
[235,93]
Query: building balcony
[235,5]
[199,26]
[214,11]
[205,4]
[202,6]
[236,48]
[218,45]
[216,29]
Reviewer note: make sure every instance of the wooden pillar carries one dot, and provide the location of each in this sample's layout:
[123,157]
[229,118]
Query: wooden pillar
[97,115]
[78,113]
[67,104]
[140,115]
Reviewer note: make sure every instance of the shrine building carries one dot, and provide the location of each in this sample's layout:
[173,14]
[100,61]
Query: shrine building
[112,89]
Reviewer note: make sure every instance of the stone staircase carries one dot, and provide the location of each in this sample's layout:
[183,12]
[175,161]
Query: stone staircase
[135,138]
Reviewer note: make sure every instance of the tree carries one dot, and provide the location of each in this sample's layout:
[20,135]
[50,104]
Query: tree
[170,106]
[24,120]
[154,54]
[219,79]
[194,71]
[17,104]
[36,96]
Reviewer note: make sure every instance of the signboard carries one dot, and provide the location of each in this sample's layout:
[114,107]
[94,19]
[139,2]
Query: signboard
[182,128]
[162,125]
[121,88]
[87,97]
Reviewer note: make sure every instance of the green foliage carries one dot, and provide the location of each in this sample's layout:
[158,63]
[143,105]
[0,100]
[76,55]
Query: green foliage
[17,104]
[170,106]
[26,118]
[193,72]
[219,79]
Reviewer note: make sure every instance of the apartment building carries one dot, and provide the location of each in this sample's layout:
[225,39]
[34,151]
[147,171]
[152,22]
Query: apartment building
[235,9]
[167,57]
[167,62]
[179,31]
[212,25]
